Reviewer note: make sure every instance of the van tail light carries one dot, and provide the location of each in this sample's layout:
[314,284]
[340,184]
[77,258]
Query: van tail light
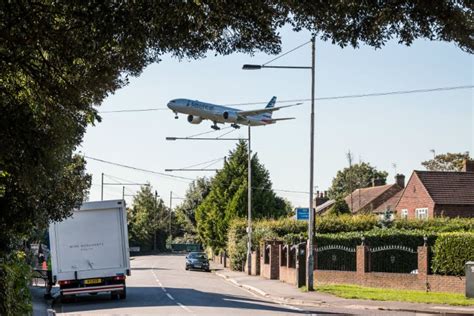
[65,282]
[119,278]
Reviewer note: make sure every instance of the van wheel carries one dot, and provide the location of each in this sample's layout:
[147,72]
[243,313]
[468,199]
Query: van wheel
[114,295]
[123,294]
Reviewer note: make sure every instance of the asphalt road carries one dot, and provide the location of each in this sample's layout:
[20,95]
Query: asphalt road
[159,285]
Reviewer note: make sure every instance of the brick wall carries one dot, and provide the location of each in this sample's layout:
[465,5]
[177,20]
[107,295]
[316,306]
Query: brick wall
[272,269]
[415,196]
[436,283]
[421,281]
[255,263]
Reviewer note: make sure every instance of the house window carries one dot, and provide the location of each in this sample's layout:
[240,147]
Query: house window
[421,213]
[404,213]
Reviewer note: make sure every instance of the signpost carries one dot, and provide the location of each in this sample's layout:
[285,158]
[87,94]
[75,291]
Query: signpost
[302,213]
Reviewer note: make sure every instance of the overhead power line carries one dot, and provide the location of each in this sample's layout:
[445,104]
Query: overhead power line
[349,96]
[138,169]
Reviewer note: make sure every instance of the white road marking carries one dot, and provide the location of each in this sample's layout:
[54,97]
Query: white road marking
[184,307]
[168,294]
[266,300]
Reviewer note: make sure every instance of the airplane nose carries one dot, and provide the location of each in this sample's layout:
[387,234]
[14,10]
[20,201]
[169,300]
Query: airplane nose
[172,105]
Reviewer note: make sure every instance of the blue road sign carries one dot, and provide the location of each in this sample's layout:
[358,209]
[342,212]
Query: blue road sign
[302,213]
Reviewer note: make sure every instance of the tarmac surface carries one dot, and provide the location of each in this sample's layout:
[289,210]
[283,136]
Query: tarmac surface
[159,285]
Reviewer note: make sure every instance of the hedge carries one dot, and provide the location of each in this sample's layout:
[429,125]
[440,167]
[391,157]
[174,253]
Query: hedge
[343,230]
[439,224]
[15,298]
[451,251]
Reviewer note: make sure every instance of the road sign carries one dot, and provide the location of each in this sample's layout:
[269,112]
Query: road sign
[302,213]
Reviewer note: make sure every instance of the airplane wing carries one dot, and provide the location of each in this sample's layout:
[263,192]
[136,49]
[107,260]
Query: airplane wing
[265,110]
[280,119]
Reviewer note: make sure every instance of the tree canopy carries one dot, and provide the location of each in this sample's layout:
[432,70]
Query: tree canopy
[148,215]
[186,211]
[58,60]
[359,175]
[446,162]
[228,197]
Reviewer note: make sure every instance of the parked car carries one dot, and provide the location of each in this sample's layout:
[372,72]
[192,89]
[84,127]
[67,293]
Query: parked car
[197,260]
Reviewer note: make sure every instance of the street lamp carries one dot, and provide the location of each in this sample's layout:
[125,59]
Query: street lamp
[310,256]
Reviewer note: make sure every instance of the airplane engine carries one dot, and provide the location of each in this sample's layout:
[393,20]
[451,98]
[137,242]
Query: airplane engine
[230,116]
[194,119]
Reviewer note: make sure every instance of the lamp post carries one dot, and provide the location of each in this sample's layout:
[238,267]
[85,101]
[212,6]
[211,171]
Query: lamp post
[249,210]
[310,255]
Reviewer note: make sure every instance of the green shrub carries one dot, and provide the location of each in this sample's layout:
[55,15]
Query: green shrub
[339,207]
[236,243]
[451,251]
[345,223]
[15,298]
[439,224]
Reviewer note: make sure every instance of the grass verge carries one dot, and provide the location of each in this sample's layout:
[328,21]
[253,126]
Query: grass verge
[368,293]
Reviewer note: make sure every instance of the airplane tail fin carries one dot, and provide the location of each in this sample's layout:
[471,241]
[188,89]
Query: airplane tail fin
[270,104]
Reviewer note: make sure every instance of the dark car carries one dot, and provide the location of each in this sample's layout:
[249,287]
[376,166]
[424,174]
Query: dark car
[197,260]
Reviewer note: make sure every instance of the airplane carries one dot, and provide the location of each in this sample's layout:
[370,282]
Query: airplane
[198,111]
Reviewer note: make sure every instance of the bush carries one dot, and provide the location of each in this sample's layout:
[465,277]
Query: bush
[439,224]
[340,207]
[237,244]
[345,223]
[451,251]
[15,296]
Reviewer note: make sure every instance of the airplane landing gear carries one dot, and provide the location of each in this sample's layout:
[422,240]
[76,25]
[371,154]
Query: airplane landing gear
[235,126]
[215,127]
[175,115]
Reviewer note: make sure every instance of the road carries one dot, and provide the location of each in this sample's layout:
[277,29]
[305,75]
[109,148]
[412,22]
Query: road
[159,285]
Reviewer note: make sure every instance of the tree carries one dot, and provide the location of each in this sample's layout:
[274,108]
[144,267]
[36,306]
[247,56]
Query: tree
[147,216]
[446,162]
[359,175]
[60,59]
[186,211]
[339,207]
[228,197]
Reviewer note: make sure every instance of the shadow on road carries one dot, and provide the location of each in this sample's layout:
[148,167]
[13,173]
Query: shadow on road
[188,297]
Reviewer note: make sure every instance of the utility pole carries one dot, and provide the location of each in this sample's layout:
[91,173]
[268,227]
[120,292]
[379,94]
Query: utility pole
[349,159]
[171,207]
[249,225]
[156,219]
[102,188]
[310,256]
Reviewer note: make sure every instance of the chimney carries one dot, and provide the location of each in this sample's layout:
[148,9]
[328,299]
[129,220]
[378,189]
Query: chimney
[468,165]
[377,182]
[400,180]
[320,198]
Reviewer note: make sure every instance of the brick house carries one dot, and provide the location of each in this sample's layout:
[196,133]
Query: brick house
[376,199]
[431,194]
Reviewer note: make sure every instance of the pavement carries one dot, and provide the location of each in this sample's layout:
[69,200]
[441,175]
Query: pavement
[279,291]
[159,285]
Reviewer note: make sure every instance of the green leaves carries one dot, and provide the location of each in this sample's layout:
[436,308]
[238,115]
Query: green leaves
[15,298]
[228,198]
[147,216]
[446,162]
[452,251]
[357,176]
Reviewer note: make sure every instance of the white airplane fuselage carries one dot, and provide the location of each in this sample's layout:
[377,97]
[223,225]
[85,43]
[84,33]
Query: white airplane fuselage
[198,111]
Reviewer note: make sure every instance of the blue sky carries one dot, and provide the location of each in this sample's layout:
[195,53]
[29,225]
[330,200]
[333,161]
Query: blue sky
[400,129]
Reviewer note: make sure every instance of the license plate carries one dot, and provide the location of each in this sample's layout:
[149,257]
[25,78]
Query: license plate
[93,281]
[197,265]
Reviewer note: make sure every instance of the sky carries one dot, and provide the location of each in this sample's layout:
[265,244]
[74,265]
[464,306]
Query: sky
[393,133]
